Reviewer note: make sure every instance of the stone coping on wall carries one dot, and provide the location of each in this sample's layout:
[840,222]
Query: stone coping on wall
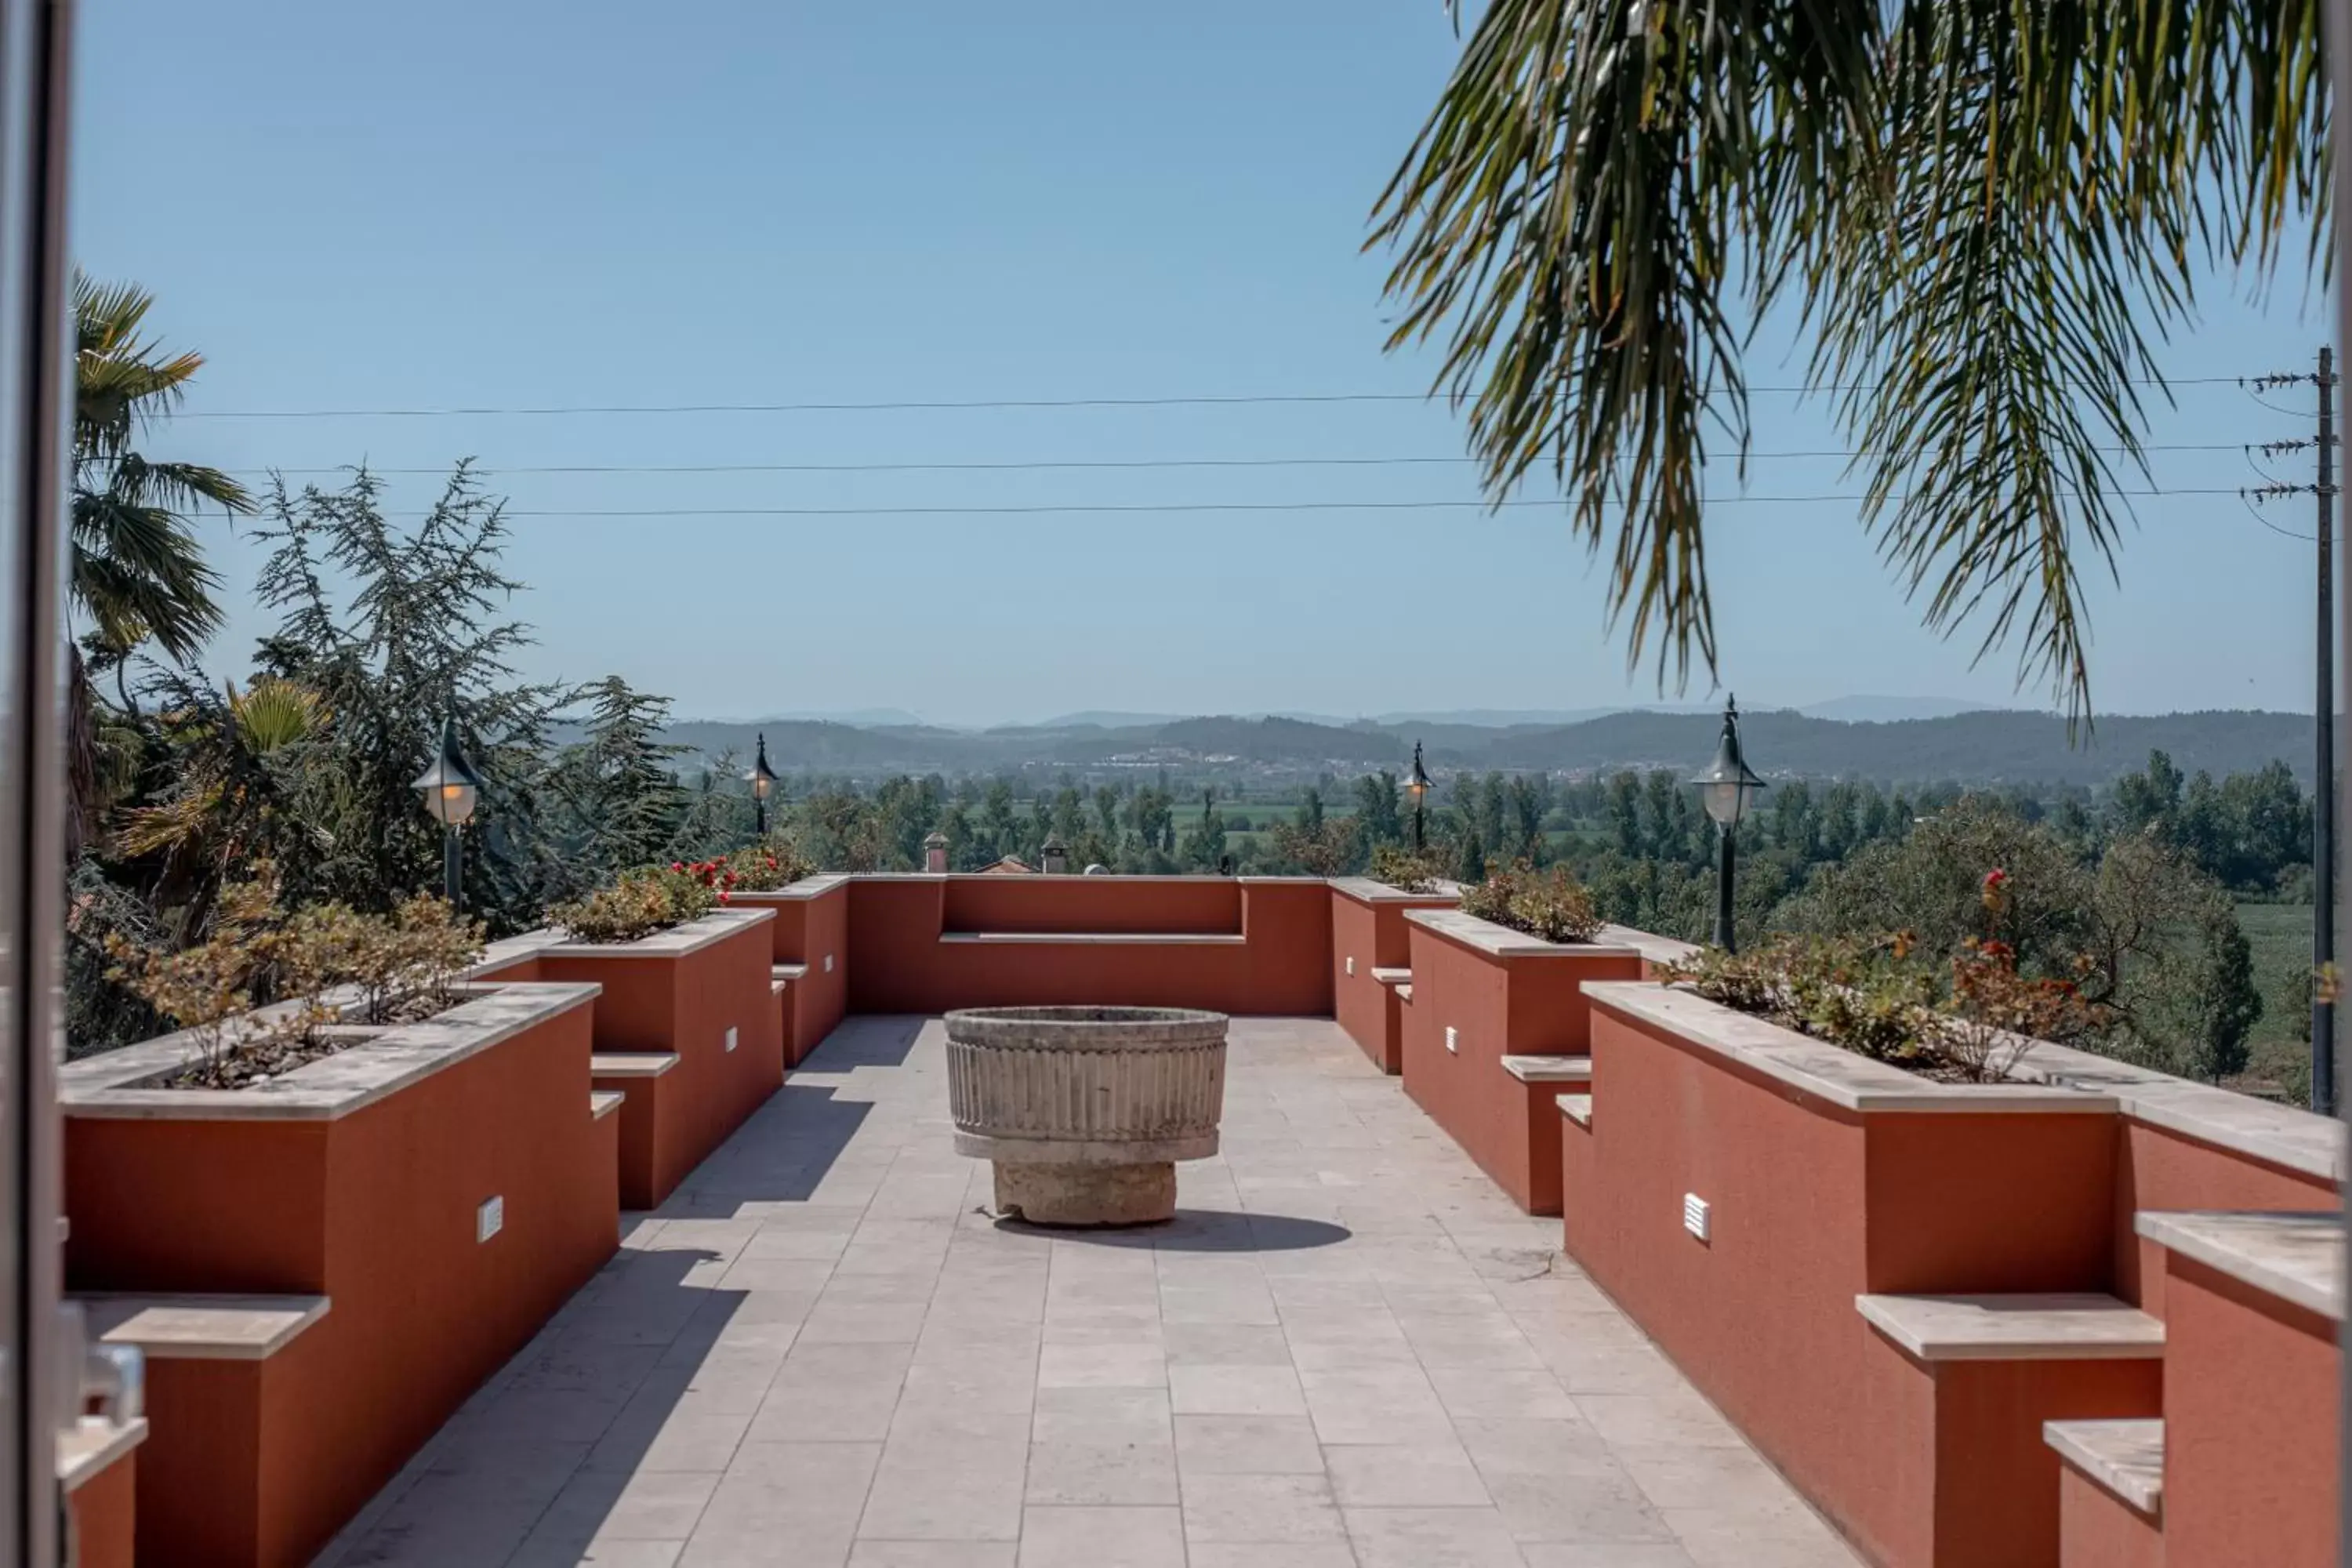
[92,1444]
[547,942]
[1103,938]
[2261,1128]
[2297,1257]
[1502,941]
[1368,891]
[794,892]
[117,1084]
[1822,1071]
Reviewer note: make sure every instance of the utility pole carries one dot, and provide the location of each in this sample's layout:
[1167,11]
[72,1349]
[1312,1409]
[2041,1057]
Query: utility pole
[2323,798]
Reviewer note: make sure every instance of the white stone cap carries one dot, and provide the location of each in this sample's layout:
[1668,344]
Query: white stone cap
[1549,1070]
[695,934]
[2297,1257]
[1102,937]
[1392,976]
[1576,1108]
[2051,1326]
[1370,890]
[2264,1130]
[118,1084]
[792,893]
[787,970]
[1502,941]
[92,1443]
[1816,1068]
[202,1328]
[2126,1457]
[631,1064]
[603,1102]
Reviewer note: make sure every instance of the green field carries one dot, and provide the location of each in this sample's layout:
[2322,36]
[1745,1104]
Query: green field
[2279,936]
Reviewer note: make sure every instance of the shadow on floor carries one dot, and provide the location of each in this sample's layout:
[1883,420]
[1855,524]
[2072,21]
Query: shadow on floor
[781,1155]
[862,1040]
[1200,1230]
[529,1472]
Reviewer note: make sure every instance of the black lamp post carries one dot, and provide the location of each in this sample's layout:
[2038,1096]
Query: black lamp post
[450,788]
[1418,787]
[1726,789]
[764,782]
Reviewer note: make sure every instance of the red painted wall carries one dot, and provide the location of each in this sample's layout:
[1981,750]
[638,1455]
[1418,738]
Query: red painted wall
[2164,1171]
[811,925]
[2097,1530]
[1812,1205]
[1374,934]
[1280,967]
[105,1524]
[683,1003]
[376,1211]
[1529,1005]
[2249,1436]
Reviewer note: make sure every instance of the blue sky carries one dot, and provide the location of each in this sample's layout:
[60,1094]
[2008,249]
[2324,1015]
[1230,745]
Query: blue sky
[525,204]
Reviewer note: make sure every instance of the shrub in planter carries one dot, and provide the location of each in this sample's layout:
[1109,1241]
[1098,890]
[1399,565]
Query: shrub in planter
[1972,1023]
[638,904]
[1551,904]
[754,868]
[1404,869]
[255,995]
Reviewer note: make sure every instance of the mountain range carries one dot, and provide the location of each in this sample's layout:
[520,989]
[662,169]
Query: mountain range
[1978,746]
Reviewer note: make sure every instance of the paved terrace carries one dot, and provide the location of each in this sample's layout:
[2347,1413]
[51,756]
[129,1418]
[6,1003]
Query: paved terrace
[1349,1349]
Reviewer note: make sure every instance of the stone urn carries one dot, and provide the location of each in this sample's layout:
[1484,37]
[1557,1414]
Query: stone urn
[1086,1110]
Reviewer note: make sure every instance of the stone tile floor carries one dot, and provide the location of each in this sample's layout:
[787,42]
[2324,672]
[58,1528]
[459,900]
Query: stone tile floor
[1349,1351]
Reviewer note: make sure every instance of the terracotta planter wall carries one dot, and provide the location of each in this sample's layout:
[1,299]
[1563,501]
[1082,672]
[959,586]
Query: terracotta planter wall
[1369,933]
[374,1208]
[1861,1185]
[1244,945]
[810,930]
[677,992]
[1502,994]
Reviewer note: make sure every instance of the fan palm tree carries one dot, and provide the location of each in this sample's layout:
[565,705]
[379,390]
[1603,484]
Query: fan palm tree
[1986,216]
[137,573]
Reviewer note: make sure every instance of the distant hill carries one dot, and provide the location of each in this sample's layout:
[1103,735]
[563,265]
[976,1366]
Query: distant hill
[1887,709]
[1983,746]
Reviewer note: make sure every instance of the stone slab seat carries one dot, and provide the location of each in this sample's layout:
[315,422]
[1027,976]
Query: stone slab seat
[2110,1492]
[1576,1108]
[1393,976]
[787,970]
[1992,1372]
[603,1102]
[1101,939]
[98,1469]
[222,1373]
[636,1077]
[2254,1310]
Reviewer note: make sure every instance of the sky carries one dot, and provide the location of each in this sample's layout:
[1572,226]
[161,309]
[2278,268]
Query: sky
[526,205]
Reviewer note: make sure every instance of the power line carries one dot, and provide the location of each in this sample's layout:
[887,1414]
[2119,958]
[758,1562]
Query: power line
[1176,507]
[1041,465]
[957,404]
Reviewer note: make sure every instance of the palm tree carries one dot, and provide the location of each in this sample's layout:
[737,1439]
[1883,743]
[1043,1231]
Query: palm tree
[1987,216]
[137,573]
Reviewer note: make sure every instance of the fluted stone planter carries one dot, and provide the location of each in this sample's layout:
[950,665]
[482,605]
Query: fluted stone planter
[1086,1110]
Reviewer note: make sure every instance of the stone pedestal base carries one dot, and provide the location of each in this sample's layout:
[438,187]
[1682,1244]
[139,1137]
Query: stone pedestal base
[1087,1194]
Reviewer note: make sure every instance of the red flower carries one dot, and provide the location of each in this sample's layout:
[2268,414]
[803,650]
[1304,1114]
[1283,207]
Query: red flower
[1995,877]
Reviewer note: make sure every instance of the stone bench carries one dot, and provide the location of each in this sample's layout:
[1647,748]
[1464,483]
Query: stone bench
[222,1374]
[636,1077]
[2110,1492]
[97,1470]
[1988,1372]
[2253,1306]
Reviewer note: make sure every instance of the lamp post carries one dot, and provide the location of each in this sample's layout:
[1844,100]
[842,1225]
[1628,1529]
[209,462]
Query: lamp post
[1418,787]
[764,782]
[450,787]
[1725,789]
